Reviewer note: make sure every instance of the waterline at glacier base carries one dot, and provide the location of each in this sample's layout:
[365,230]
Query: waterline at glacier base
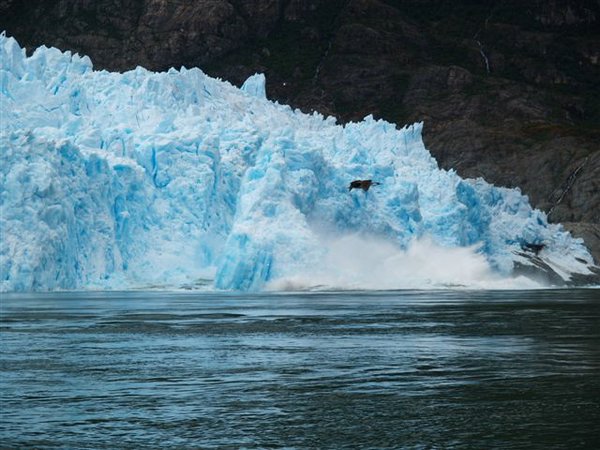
[178,180]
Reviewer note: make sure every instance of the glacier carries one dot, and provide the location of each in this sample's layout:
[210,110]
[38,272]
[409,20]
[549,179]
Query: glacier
[175,179]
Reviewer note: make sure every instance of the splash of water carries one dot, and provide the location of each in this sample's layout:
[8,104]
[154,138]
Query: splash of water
[358,262]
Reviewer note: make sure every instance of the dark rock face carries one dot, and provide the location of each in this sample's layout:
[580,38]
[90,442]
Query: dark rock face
[508,90]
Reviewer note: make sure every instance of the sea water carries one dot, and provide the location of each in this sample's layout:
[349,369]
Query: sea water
[395,369]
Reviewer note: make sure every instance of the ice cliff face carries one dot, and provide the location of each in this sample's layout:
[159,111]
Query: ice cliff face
[143,179]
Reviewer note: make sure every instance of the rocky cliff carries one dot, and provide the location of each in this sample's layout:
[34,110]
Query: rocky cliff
[508,90]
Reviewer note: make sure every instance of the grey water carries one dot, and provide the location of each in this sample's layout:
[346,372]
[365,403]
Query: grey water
[384,370]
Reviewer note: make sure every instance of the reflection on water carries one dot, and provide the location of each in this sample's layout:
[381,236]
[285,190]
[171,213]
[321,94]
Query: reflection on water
[447,369]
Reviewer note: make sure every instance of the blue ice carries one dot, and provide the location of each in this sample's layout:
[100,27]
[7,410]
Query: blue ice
[175,179]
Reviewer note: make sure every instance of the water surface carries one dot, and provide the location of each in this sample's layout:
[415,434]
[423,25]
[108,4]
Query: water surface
[406,369]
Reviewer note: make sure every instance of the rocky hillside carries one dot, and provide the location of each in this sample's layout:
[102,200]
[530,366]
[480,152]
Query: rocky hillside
[508,90]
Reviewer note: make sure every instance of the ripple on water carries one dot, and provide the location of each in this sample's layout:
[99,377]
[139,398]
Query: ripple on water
[338,370]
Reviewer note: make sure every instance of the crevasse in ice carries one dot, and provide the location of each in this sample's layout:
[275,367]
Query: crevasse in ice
[141,179]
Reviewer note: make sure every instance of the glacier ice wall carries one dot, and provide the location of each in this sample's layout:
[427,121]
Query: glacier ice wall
[144,179]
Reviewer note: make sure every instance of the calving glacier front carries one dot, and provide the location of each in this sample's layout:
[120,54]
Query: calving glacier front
[138,179]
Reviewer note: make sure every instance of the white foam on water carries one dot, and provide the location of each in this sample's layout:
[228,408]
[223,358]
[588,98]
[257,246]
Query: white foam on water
[358,262]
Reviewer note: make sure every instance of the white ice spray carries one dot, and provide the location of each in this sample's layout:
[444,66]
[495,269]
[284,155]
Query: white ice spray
[358,262]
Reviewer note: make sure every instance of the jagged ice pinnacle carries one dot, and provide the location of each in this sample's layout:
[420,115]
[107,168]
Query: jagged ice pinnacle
[141,179]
